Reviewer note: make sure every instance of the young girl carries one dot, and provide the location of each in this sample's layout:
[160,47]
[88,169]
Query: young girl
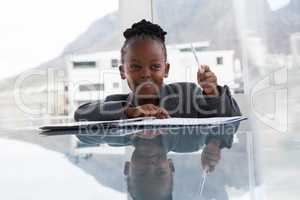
[144,65]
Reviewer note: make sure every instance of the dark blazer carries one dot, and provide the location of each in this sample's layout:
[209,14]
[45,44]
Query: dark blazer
[183,99]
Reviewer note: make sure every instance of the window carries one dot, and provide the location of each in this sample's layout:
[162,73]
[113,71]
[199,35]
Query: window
[116,85]
[200,48]
[91,87]
[189,49]
[185,50]
[114,63]
[84,65]
[219,60]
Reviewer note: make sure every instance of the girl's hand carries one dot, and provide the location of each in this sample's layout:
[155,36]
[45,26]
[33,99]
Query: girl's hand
[211,155]
[208,81]
[147,110]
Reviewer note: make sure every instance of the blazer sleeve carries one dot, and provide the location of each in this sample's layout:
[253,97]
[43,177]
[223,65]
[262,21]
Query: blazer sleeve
[109,109]
[222,106]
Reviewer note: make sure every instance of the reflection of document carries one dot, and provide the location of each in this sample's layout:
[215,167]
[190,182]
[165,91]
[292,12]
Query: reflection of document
[77,125]
[131,126]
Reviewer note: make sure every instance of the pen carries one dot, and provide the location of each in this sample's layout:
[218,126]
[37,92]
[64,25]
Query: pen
[204,176]
[196,58]
[202,183]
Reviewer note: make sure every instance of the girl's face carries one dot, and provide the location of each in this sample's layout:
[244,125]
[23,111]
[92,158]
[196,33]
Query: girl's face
[144,67]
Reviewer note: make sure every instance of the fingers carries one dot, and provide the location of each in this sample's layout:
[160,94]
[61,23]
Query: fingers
[210,88]
[208,84]
[211,160]
[204,68]
[210,76]
[210,165]
[149,110]
[162,113]
[208,81]
[210,157]
[207,76]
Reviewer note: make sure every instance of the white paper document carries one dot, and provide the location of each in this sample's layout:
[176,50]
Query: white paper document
[144,122]
[184,121]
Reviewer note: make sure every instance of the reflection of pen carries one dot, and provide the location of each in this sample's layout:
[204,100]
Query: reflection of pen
[196,58]
[204,176]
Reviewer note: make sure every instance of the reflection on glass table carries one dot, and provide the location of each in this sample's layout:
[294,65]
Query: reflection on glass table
[151,170]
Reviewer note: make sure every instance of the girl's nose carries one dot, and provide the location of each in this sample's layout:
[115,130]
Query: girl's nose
[146,72]
[151,160]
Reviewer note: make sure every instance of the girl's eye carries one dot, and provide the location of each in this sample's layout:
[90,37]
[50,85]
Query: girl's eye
[156,66]
[135,66]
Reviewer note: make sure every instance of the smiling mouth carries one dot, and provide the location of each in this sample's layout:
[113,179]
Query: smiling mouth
[147,84]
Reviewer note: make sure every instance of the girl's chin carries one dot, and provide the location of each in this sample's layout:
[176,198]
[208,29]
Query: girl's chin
[147,89]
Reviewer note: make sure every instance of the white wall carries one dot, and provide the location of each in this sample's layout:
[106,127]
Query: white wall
[184,66]
[103,73]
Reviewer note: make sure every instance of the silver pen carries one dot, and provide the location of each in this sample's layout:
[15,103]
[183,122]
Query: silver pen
[196,58]
[204,176]
[202,183]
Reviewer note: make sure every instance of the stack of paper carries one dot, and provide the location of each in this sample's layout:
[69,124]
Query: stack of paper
[183,121]
[131,126]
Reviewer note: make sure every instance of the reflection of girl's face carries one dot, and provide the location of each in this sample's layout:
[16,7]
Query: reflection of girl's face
[148,153]
[145,66]
[149,159]
[150,172]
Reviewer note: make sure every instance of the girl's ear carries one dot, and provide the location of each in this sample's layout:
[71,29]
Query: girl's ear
[122,72]
[167,70]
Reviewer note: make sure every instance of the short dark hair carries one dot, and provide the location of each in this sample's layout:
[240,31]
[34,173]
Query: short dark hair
[167,198]
[143,30]
[141,196]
